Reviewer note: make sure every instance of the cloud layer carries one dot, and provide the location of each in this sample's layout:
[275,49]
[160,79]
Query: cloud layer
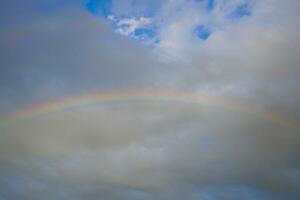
[242,50]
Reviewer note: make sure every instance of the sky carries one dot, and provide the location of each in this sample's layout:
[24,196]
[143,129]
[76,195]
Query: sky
[152,138]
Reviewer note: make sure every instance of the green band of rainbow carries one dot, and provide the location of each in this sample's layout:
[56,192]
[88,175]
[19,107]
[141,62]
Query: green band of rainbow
[110,97]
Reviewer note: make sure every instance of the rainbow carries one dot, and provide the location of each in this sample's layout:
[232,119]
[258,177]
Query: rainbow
[123,96]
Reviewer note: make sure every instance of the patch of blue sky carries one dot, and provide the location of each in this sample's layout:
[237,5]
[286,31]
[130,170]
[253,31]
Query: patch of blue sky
[126,8]
[240,11]
[99,7]
[210,4]
[146,35]
[202,32]
[147,32]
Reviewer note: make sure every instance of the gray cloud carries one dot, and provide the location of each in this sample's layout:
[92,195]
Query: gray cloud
[150,150]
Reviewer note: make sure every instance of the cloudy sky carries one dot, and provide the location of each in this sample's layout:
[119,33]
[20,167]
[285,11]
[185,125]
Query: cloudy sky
[244,54]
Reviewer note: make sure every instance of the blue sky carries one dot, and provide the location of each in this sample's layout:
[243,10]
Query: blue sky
[244,145]
[99,7]
[107,10]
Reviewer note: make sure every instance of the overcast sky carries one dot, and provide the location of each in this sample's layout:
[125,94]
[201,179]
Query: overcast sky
[243,50]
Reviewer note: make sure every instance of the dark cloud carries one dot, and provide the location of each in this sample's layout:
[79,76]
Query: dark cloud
[69,53]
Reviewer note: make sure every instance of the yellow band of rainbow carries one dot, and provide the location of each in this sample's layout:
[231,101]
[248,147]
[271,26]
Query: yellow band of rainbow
[119,96]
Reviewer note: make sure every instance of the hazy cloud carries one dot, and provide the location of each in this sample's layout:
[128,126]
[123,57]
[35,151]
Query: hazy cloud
[246,51]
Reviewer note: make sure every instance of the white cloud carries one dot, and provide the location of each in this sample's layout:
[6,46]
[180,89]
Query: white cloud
[127,26]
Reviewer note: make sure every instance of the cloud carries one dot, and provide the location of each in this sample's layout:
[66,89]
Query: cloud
[128,26]
[147,148]
[151,149]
